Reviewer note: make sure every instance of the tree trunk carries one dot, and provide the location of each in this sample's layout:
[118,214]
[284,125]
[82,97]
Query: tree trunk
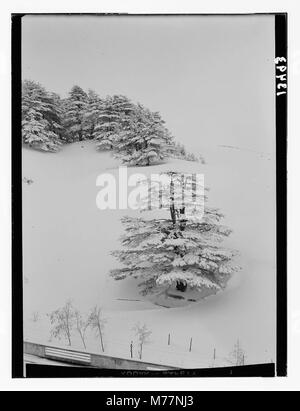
[172,205]
[101,338]
[181,286]
[173,214]
[69,338]
[141,351]
[82,339]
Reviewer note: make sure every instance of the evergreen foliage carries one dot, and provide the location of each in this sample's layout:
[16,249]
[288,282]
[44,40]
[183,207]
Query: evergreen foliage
[75,107]
[41,118]
[183,251]
[136,135]
[113,117]
[91,115]
[144,139]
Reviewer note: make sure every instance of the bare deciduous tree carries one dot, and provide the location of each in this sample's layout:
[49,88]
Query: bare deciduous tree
[35,316]
[238,354]
[62,321]
[143,334]
[82,325]
[97,323]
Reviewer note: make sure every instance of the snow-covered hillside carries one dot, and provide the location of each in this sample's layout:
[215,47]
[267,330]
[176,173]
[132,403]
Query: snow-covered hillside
[67,242]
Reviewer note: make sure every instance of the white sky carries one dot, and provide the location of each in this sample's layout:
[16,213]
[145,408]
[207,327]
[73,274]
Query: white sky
[212,78]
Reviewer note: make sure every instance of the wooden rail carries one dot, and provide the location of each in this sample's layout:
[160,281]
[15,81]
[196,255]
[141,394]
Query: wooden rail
[67,355]
[104,361]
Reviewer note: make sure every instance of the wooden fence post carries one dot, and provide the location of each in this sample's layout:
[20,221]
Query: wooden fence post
[131,349]
[191,344]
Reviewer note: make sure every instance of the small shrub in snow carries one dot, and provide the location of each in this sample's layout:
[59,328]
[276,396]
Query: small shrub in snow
[35,317]
[143,334]
[180,152]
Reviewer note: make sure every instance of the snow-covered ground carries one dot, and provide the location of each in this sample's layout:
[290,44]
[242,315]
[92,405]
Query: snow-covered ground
[67,242]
